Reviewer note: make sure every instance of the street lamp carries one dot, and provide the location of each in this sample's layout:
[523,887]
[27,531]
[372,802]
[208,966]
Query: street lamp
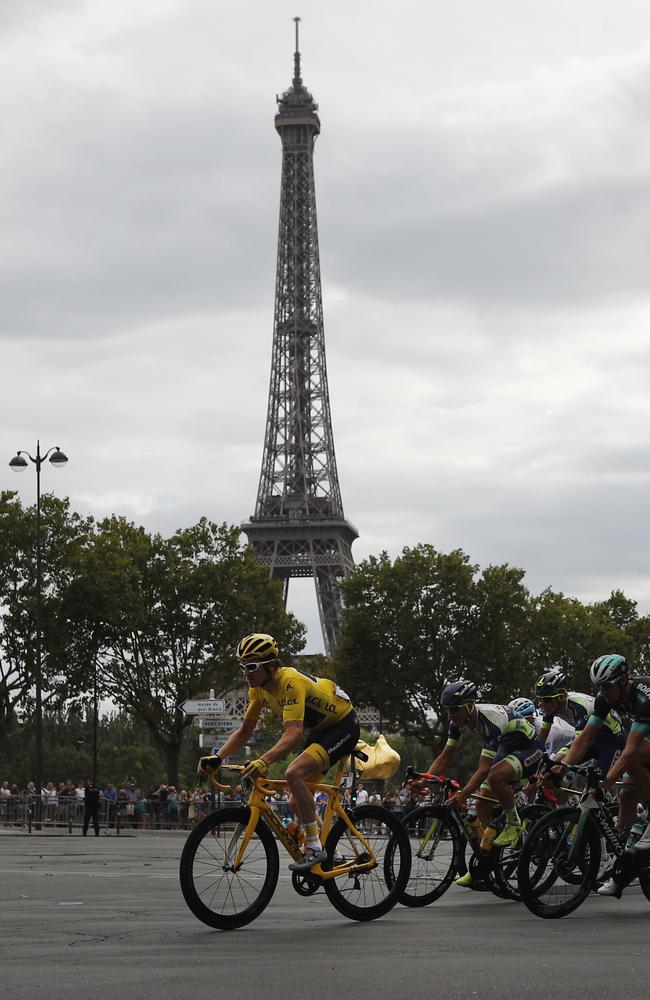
[19,463]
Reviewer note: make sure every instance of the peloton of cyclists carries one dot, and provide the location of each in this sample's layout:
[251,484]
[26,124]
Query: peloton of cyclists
[511,750]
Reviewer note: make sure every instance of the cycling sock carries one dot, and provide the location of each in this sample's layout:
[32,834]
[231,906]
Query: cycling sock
[512,816]
[313,840]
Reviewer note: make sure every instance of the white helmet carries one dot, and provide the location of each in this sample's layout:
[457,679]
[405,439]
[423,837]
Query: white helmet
[608,669]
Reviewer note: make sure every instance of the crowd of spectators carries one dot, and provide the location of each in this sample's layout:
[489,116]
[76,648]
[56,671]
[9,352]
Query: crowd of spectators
[163,806]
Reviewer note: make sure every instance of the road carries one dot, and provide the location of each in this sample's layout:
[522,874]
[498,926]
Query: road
[104,917]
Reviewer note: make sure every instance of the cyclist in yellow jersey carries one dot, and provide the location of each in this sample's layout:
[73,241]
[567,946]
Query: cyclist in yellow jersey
[304,702]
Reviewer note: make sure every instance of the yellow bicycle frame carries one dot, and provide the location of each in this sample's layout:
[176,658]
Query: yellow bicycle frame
[266,788]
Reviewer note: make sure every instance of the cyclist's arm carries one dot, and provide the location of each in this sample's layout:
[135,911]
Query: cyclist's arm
[291,738]
[578,749]
[443,761]
[635,740]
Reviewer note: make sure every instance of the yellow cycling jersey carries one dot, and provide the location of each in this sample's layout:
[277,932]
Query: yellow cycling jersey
[296,696]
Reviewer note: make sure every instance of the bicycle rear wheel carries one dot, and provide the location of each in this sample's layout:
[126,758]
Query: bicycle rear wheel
[556,873]
[216,893]
[367,895]
[436,850]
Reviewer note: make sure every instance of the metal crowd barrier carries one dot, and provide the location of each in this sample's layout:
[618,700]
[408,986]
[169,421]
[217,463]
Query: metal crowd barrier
[29,813]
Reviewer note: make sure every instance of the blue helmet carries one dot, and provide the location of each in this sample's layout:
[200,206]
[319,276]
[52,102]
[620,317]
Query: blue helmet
[522,707]
[552,684]
[458,694]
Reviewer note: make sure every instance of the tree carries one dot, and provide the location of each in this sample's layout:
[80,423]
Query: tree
[166,615]
[63,535]
[407,630]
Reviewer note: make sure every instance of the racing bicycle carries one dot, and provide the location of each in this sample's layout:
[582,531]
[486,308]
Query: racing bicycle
[230,862]
[560,858]
[440,834]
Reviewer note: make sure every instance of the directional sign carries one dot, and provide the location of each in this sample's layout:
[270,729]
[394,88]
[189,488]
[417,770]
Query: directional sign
[219,725]
[207,706]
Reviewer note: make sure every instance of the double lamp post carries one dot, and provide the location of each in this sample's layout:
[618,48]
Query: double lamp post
[19,463]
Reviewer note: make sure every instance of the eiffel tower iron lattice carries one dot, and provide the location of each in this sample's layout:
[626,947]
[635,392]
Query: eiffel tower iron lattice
[299,528]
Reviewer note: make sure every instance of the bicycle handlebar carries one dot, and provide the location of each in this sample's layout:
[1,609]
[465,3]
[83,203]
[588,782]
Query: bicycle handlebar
[412,775]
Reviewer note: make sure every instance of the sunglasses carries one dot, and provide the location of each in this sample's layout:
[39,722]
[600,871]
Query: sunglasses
[248,668]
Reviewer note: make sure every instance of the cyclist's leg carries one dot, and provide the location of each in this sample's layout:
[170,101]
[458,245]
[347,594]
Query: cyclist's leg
[506,770]
[315,760]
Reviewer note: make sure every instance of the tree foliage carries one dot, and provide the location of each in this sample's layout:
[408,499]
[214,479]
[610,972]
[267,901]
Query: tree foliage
[413,624]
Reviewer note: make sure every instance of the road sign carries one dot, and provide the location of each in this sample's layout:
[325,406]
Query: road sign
[205,706]
[219,725]
[207,741]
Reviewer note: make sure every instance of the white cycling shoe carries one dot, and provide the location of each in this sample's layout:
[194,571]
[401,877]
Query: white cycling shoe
[643,843]
[610,888]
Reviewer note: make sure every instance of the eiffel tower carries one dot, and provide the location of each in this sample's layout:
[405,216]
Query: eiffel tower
[299,528]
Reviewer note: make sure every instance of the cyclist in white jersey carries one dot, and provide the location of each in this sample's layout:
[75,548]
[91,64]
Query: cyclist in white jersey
[562,733]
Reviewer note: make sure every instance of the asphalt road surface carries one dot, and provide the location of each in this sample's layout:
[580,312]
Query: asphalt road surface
[104,918]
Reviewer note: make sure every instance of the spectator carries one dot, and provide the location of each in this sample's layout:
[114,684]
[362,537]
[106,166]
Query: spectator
[172,807]
[5,795]
[50,800]
[92,795]
[131,796]
[79,795]
[163,805]
[184,806]
[320,800]
[110,794]
[362,795]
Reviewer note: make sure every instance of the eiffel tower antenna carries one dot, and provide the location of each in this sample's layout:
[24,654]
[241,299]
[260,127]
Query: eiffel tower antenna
[299,528]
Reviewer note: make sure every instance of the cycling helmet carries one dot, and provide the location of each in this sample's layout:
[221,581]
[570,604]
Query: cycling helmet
[517,733]
[553,682]
[522,707]
[460,693]
[257,647]
[608,669]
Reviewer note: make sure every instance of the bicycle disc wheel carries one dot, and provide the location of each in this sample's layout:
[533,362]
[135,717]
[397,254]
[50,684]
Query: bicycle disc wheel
[367,895]
[506,859]
[556,874]
[435,855]
[214,892]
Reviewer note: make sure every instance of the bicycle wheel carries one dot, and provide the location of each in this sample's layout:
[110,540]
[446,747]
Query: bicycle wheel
[435,855]
[506,859]
[556,874]
[214,892]
[369,894]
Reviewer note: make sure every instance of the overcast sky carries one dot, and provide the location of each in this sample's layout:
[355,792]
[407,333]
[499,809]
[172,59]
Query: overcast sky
[483,190]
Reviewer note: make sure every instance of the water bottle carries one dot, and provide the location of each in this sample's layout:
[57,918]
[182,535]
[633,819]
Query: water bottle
[293,829]
[488,838]
[635,832]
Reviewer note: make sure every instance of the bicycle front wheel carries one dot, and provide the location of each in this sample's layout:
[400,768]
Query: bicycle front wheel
[436,849]
[556,870]
[215,892]
[366,895]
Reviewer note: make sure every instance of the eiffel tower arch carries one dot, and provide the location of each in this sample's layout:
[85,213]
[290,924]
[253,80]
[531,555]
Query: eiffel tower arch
[299,528]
